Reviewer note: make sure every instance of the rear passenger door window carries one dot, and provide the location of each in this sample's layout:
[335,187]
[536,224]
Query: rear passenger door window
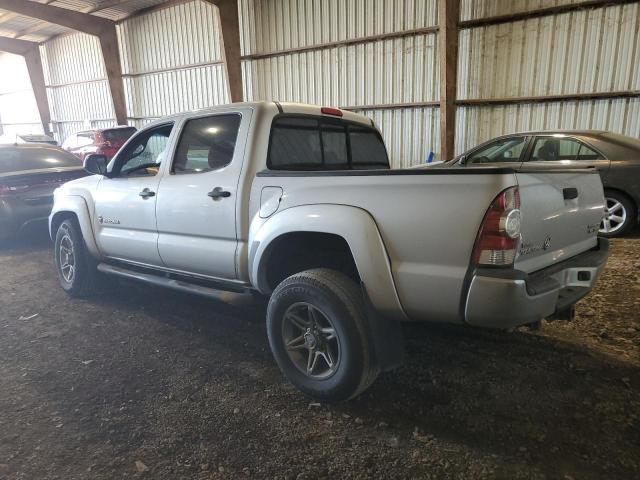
[207,144]
[563,150]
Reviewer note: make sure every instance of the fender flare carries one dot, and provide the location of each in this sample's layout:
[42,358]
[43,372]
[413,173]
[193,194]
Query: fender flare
[355,225]
[77,206]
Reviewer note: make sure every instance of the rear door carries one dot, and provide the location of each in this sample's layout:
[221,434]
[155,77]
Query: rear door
[561,214]
[198,198]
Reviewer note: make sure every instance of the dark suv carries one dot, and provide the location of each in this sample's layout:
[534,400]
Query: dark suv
[102,142]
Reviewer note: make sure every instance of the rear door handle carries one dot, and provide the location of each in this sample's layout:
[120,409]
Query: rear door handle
[146,193]
[218,192]
[570,193]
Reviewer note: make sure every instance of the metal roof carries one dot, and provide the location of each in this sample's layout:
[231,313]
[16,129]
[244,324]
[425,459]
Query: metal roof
[32,29]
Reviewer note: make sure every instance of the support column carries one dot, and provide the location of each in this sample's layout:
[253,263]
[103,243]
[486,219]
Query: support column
[448,13]
[230,28]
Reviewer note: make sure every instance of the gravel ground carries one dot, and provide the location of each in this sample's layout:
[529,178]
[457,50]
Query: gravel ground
[145,383]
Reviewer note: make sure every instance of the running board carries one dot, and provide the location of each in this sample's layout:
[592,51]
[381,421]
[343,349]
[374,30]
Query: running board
[168,282]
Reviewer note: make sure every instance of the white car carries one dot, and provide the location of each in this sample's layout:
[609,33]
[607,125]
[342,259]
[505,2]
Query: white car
[298,203]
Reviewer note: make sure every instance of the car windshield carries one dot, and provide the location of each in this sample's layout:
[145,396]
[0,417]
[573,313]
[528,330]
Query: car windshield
[23,159]
[118,134]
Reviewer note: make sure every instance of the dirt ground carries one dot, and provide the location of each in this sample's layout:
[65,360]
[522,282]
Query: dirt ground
[146,383]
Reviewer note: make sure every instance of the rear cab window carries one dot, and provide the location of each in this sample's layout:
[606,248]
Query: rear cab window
[118,134]
[311,143]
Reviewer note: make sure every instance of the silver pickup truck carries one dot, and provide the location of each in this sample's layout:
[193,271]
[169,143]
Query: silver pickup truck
[298,203]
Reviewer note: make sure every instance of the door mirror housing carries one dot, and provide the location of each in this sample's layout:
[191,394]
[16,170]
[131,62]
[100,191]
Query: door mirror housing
[96,164]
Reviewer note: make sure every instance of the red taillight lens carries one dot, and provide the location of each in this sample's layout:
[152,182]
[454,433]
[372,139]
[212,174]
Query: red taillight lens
[499,236]
[336,112]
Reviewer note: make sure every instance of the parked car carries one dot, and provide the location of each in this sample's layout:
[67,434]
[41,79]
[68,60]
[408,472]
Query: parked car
[617,158]
[102,142]
[27,138]
[28,175]
[298,203]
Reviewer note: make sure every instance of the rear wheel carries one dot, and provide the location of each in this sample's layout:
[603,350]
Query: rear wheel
[315,323]
[75,267]
[619,214]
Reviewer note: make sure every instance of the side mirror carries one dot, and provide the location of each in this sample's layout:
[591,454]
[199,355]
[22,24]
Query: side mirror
[461,160]
[96,164]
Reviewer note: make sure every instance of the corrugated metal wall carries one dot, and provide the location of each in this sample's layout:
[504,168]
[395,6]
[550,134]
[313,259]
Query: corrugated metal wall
[172,61]
[584,51]
[18,109]
[294,50]
[474,9]
[77,88]
[374,72]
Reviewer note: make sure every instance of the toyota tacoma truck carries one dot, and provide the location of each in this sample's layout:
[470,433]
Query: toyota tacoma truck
[298,203]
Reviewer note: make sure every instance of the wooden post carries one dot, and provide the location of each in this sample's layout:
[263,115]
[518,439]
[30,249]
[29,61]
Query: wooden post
[230,28]
[448,13]
[31,53]
[103,28]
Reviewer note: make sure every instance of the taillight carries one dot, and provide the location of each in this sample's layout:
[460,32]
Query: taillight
[6,190]
[499,236]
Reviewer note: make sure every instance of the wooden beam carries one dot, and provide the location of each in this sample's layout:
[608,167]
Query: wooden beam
[111,56]
[104,29]
[230,32]
[449,14]
[65,17]
[31,53]
[541,12]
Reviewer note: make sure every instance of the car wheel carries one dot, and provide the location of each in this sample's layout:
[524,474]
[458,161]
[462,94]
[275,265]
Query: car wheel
[619,214]
[75,267]
[316,328]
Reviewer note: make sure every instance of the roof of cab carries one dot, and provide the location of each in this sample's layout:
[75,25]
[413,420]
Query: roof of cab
[285,107]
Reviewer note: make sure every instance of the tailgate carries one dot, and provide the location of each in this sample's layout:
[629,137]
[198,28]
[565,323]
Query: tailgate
[561,214]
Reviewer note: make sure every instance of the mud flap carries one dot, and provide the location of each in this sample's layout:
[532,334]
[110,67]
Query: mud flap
[386,337]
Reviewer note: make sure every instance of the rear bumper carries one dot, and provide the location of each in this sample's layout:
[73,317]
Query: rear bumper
[508,298]
[15,216]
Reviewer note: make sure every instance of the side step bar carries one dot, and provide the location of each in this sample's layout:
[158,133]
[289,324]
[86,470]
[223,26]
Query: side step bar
[168,282]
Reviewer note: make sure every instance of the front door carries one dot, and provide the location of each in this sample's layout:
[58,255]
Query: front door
[198,197]
[125,216]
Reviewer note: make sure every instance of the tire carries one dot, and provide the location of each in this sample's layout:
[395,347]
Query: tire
[334,330]
[71,251]
[620,214]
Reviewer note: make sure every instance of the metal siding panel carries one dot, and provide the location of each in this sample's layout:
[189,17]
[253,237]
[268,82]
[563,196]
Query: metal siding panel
[73,58]
[577,52]
[478,124]
[284,24]
[400,70]
[474,9]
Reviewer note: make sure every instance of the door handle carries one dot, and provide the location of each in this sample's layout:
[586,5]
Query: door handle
[218,192]
[146,193]
[570,193]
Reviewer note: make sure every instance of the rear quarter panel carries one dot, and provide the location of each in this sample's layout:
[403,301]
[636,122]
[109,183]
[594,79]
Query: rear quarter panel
[427,220]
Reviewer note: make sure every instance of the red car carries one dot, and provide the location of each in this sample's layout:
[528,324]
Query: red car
[101,141]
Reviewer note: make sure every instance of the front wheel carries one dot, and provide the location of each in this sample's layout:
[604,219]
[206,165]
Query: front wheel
[75,267]
[619,214]
[316,328]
